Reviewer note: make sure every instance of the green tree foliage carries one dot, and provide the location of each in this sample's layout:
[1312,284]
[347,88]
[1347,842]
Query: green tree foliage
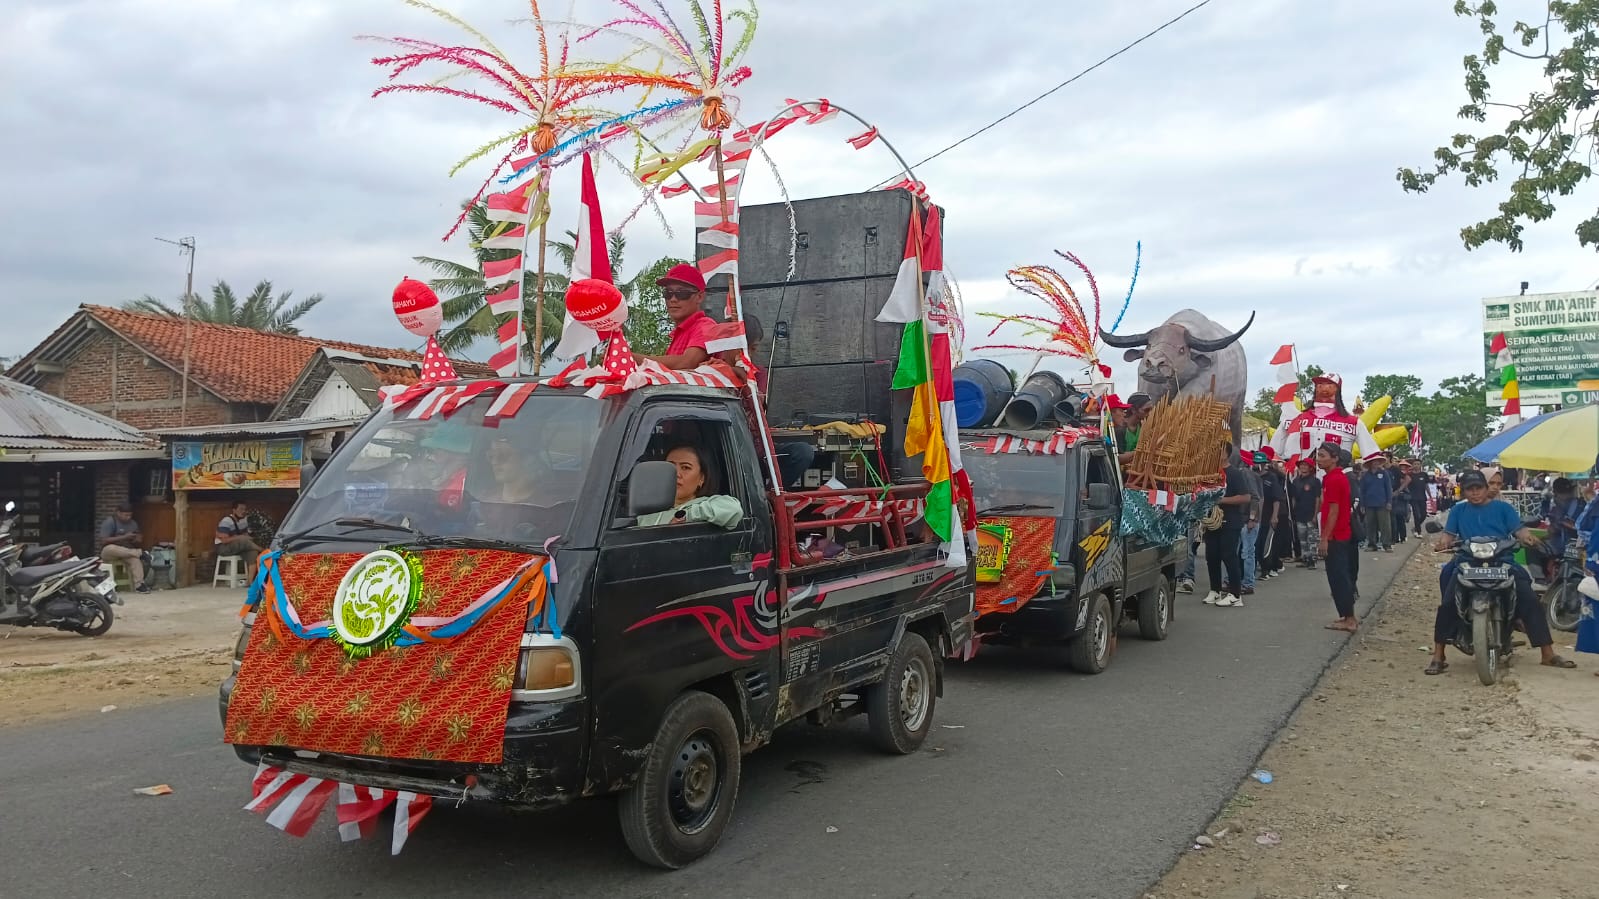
[1547,142]
[1453,419]
[1403,388]
[260,310]
[461,289]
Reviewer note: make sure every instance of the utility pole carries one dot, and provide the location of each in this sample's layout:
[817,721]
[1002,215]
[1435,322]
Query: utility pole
[185,248]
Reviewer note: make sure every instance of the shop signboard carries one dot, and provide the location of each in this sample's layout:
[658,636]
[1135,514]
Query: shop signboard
[1554,343]
[237,464]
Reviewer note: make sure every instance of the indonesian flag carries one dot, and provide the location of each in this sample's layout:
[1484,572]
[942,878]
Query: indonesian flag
[358,808]
[590,259]
[507,360]
[298,799]
[1287,375]
[905,300]
[511,238]
[513,206]
[1415,438]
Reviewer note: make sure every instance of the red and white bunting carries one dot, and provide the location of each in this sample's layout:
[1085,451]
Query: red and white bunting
[511,238]
[1057,443]
[708,214]
[510,401]
[501,272]
[1163,499]
[507,359]
[722,234]
[726,338]
[917,189]
[409,809]
[513,206]
[358,809]
[722,263]
[864,139]
[293,802]
[507,301]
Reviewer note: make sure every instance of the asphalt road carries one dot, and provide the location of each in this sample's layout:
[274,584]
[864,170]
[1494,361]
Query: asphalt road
[1035,782]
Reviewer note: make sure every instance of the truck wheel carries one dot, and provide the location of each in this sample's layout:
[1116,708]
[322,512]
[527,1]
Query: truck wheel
[1089,653]
[1154,610]
[899,708]
[683,798]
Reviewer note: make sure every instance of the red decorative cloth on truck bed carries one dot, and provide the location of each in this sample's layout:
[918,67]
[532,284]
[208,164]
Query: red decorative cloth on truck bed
[1026,565]
[444,700]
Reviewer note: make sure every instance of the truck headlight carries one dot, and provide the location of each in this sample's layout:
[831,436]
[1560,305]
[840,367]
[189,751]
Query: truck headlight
[549,668]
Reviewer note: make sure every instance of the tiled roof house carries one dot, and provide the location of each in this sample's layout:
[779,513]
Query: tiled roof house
[128,365]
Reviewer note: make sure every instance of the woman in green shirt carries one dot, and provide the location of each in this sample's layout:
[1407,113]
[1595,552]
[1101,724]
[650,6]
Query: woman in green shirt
[691,505]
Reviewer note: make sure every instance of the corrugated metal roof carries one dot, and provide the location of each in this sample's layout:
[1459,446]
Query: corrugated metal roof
[261,428]
[32,419]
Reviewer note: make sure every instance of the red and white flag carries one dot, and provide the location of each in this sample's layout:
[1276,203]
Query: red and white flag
[905,300]
[710,213]
[291,802]
[409,809]
[358,809]
[509,401]
[507,360]
[590,259]
[511,238]
[864,139]
[1415,438]
[512,206]
[500,272]
[507,301]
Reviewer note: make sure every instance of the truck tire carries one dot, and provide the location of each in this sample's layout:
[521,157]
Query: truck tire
[678,808]
[899,708]
[1089,652]
[1154,610]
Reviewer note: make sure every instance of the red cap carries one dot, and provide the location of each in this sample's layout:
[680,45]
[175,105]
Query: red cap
[1270,453]
[1329,378]
[685,273]
[1115,402]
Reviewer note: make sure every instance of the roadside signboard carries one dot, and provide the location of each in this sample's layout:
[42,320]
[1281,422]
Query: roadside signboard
[1554,343]
[237,464]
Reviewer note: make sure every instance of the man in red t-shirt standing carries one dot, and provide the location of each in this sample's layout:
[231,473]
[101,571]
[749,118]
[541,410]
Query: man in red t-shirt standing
[1337,536]
[683,288]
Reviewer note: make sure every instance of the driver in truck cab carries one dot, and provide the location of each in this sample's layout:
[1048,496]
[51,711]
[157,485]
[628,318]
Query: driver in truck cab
[1483,518]
[693,503]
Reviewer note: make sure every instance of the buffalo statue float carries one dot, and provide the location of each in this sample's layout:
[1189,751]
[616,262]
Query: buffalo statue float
[1182,354]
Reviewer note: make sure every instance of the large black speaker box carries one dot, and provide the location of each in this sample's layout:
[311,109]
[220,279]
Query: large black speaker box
[823,348]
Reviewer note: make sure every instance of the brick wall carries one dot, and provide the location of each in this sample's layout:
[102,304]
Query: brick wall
[110,490]
[115,378]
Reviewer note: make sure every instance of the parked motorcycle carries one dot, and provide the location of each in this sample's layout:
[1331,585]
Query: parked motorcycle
[1485,597]
[69,595]
[1562,603]
[14,554]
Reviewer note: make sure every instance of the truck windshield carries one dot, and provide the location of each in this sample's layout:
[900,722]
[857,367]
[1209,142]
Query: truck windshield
[510,479]
[1019,483]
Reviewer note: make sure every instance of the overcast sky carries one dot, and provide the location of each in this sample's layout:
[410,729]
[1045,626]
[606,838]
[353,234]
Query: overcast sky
[1252,148]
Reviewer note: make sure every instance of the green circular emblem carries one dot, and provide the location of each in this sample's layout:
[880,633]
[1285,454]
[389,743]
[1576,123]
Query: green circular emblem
[374,601]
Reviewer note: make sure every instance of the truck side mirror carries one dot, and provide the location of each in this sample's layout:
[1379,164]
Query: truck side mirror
[651,487]
[1101,496]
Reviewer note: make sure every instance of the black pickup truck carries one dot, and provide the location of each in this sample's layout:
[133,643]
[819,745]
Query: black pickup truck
[657,648]
[1052,566]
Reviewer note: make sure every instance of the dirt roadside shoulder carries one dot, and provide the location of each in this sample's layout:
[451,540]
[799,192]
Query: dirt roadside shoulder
[1388,783]
[162,645]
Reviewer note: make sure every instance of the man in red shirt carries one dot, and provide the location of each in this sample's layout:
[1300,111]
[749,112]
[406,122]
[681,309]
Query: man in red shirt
[684,291]
[1337,536]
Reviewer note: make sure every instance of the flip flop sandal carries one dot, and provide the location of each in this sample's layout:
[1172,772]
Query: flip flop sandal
[1558,662]
[1436,667]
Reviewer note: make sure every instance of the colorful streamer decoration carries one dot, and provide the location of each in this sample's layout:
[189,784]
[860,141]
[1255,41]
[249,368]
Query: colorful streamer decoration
[1510,385]
[550,102]
[1068,332]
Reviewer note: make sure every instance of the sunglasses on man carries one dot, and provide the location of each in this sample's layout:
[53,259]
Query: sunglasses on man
[679,293]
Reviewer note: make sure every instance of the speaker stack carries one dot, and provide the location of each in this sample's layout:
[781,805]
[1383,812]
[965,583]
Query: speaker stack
[826,356]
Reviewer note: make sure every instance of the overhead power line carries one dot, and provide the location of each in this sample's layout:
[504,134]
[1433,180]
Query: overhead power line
[1162,27]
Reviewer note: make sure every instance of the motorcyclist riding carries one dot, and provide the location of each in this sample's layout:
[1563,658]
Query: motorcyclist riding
[1488,519]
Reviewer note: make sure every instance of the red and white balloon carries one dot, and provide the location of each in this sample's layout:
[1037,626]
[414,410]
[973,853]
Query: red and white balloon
[597,304]
[418,308]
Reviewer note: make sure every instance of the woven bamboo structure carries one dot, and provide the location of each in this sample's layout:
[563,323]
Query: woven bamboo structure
[1181,446]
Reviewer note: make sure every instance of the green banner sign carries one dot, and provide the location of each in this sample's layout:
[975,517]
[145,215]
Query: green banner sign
[1554,344]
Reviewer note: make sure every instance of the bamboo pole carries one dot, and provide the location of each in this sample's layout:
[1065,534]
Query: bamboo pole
[538,283]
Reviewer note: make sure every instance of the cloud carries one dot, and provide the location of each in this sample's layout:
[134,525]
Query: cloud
[1251,147]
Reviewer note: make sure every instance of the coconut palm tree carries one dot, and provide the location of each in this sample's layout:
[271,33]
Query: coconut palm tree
[467,317]
[260,310]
